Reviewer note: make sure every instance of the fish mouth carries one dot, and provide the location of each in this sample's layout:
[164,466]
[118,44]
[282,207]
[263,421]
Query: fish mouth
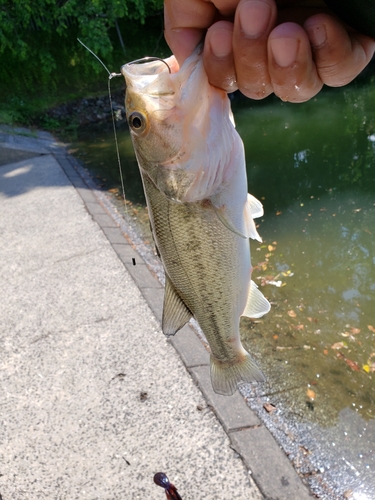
[150,66]
[151,75]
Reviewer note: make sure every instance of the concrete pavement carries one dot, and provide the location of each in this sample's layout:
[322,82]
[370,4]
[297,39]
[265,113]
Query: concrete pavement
[94,400]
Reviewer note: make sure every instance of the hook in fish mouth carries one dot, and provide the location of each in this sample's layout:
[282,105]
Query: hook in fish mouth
[149,59]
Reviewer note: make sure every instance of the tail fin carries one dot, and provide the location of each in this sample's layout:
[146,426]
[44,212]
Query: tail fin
[225,376]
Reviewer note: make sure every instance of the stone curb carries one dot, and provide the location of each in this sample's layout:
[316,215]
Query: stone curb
[269,466]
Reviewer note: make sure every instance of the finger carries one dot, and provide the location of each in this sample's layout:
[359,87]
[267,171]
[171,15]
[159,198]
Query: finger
[339,56]
[291,67]
[218,56]
[185,24]
[253,22]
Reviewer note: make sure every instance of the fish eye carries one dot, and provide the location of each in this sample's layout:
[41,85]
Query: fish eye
[137,121]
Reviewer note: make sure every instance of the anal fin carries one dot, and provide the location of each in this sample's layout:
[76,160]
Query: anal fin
[175,312]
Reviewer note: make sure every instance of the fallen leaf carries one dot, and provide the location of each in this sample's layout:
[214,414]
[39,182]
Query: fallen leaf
[339,345]
[270,408]
[366,368]
[353,365]
[292,314]
[275,337]
[345,334]
[277,283]
[271,248]
[310,394]
[371,328]
[325,351]
[278,212]
[355,331]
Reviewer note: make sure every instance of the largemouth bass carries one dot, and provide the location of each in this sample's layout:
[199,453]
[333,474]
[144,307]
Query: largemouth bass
[192,164]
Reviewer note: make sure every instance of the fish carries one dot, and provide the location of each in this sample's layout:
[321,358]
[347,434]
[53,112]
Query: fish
[192,164]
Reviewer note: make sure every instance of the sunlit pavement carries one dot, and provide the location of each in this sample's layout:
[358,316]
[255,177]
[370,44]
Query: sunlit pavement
[94,399]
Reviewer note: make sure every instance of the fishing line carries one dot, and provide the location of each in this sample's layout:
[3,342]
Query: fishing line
[110,76]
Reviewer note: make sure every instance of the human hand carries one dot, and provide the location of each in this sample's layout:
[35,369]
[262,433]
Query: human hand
[265,46]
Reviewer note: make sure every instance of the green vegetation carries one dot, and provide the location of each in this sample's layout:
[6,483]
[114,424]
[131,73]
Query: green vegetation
[43,65]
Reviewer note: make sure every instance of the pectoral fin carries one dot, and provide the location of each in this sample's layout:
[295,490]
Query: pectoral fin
[175,312]
[257,305]
[220,212]
[253,209]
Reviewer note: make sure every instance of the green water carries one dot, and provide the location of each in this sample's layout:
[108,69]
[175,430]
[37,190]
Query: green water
[313,167]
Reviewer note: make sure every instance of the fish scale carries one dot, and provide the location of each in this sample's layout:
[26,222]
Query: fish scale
[184,229]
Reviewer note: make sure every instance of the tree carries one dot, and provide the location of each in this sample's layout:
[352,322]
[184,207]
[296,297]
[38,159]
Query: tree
[38,39]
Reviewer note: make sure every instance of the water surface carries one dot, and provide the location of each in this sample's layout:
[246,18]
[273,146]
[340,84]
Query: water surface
[313,167]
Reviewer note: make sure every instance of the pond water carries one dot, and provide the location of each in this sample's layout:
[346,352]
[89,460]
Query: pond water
[313,167]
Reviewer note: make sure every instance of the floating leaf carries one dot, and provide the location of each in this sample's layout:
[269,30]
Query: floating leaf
[366,368]
[287,273]
[325,351]
[271,248]
[353,365]
[355,331]
[371,328]
[278,212]
[339,345]
[277,283]
[310,394]
[292,314]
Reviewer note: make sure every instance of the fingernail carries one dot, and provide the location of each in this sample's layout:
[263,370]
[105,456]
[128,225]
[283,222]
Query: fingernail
[284,51]
[221,42]
[317,34]
[254,18]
